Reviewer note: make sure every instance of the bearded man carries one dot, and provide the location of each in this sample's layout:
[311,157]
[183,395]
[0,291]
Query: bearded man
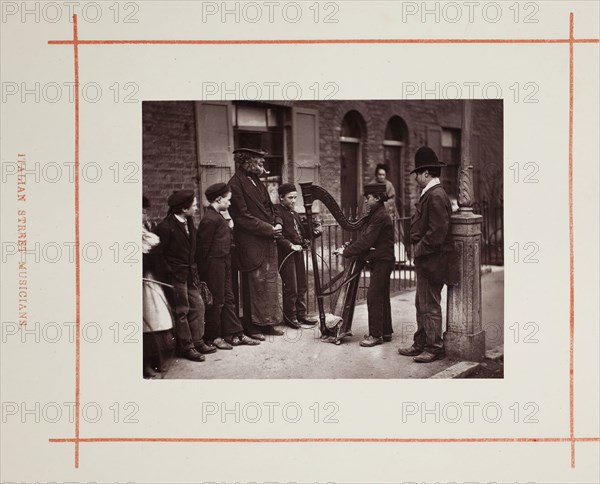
[256,226]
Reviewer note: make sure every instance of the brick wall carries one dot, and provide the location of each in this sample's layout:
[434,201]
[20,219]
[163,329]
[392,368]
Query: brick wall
[170,161]
[169,152]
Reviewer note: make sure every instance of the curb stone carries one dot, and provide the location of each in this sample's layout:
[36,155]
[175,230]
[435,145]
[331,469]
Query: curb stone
[465,368]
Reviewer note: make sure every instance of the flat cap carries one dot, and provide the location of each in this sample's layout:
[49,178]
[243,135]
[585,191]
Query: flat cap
[286,188]
[180,197]
[215,191]
[375,189]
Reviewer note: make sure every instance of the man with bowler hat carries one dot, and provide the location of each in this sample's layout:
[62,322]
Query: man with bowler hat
[376,245]
[177,249]
[434,257]
[255,228]
[213,256]
[292,270]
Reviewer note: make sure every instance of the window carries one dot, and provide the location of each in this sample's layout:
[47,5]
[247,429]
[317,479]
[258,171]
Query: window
[260,126]
[450,156]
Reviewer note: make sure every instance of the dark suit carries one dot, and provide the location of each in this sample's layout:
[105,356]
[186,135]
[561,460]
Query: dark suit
[434,263]
[254,217]
[213,256]
[379,235]
[293,270]
[177,266]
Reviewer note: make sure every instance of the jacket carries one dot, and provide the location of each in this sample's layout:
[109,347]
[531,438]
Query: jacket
[214,238]
[176,250]
[253,217]
[378,234]
[431,235]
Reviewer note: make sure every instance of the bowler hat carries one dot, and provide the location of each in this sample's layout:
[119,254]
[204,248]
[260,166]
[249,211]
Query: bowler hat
[252,151]
[215,191]
[375,189]
[425,157]
[286,188]
[180,197]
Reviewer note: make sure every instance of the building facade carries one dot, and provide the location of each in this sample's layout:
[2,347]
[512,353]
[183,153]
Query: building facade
[336,144]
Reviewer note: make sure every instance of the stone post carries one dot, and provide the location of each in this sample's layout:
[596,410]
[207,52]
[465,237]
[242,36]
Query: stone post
[464,337]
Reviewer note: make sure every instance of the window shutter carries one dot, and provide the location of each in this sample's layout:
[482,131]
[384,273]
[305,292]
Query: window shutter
[305,160]
[214,134]
[434,140]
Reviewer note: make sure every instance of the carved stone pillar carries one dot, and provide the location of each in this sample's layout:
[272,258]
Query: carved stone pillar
[464,337]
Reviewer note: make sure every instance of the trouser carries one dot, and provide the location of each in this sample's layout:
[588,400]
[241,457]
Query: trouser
[293,278]
[260,294]
[221,318]
[378,299]
[189,314]
[429,316]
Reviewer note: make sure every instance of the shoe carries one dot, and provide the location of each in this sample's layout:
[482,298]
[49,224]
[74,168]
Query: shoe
[427,357]
[273,331]
[193,355]
[387,338]
[410,351]
[292,323]
[149,372]
[204,348]
[257,336]
[241,339]
[371,341]
[308,321]
[221,344]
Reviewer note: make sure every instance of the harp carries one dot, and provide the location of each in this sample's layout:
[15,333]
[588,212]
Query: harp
[335,326]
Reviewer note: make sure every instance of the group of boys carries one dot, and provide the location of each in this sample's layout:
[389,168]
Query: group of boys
[191,255]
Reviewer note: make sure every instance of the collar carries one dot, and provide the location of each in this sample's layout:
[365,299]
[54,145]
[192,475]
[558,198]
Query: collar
[286,208]
[181,218]
[433,182]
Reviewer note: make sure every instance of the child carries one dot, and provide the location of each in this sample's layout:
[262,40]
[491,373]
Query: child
[292,271]
[177,247]
[213,256]
[376,244]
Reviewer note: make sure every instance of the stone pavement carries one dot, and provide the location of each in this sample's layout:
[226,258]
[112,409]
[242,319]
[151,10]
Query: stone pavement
[300,353]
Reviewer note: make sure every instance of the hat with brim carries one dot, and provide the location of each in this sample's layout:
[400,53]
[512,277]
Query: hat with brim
[252,151]
[181,198]
[425,157]
[215,191]
[286,188]
[375,189]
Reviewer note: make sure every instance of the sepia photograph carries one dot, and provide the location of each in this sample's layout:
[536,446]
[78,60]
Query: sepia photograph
[323,239]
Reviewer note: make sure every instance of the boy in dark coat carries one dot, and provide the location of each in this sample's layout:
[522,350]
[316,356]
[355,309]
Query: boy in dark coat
[213,256]
[434,257]
[295,236]
[376,245]
[177,249]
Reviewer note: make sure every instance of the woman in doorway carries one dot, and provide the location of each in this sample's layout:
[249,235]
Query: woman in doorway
[381,173]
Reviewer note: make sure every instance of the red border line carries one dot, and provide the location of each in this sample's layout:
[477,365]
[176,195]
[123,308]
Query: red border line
[571,252]
[323,440]
[77,241]
[76,42]
[570,40]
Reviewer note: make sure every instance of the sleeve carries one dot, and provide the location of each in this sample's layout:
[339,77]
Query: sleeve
[241,215]
[204,241]
[282,242]
[164,234]
[437,230]
[390,190]
[367,239]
